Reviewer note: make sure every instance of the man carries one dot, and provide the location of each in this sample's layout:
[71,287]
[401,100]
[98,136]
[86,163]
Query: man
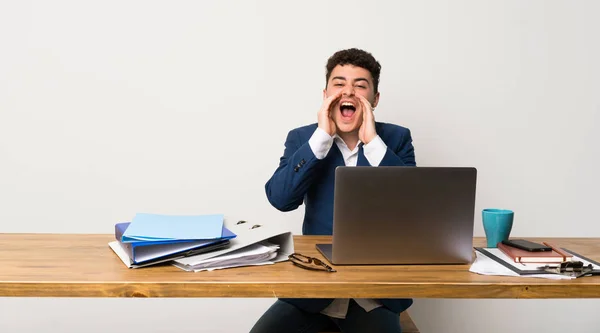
[346,134]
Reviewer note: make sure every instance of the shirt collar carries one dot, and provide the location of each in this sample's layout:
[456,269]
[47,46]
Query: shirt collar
[338,140]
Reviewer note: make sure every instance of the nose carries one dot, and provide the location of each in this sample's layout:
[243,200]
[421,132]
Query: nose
[348,91]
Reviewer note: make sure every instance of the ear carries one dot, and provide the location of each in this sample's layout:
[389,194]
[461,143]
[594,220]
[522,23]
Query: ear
[324,93]
[375,100]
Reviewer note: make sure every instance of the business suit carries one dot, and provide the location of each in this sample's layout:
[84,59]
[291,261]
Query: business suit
[303,178]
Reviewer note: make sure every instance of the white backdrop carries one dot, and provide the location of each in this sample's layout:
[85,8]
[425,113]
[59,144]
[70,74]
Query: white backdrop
[109,108]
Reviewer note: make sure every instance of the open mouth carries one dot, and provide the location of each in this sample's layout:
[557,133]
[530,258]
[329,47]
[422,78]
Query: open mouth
[347,109]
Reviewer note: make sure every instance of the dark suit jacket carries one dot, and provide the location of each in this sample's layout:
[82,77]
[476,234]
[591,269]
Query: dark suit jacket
[302,178]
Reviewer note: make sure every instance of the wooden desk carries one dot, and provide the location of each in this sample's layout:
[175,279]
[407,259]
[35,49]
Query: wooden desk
[58,265]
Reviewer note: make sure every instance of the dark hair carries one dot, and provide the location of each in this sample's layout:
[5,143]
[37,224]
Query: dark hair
[354,57]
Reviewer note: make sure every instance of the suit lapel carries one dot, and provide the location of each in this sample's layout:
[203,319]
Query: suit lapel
[335,156]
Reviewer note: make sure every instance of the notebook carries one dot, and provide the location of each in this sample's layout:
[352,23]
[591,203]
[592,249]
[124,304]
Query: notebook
[521,256]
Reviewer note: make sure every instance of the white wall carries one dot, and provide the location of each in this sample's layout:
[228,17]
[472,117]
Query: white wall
[109,108]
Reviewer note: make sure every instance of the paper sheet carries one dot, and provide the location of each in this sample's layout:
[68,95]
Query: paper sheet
[255,254]
[487,266]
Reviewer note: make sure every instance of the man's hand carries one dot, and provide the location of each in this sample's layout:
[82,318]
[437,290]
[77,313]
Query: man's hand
[325,118]
[367,131]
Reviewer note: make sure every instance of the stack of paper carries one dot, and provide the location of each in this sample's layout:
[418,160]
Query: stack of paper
[151,239]
[261,253]
[200,243]
[255,244]
[487,266]
[492,261]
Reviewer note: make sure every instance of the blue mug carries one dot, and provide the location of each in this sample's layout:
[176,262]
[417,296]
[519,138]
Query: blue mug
[497,224]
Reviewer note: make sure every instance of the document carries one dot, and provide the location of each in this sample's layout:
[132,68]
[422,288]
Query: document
[492,261]
[487,266]
[276,244]
[261,253]
[154,227]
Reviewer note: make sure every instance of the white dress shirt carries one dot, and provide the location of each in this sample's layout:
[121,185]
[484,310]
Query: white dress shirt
[320,143]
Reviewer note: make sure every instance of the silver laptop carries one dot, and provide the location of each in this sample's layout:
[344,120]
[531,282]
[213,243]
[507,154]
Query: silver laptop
[402,215]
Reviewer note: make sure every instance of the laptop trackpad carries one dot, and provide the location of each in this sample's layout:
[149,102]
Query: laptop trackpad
[326,250]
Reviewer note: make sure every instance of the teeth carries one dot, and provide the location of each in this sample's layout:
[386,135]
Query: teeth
[347,104]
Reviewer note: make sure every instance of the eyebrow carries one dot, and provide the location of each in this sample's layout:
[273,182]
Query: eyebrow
[355,80]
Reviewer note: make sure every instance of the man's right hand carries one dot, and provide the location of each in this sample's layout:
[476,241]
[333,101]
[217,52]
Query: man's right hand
[325,118]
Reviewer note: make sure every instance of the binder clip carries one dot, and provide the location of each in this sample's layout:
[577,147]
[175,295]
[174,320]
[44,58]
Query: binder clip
[570,268]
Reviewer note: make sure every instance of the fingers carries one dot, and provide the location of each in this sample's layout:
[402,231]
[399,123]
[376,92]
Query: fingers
[330,99]
[334,96]
[325,118]
[367,108]
[365,102]
[328,102]
[367,131]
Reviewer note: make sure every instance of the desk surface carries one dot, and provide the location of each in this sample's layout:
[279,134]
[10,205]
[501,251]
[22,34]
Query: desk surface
[73,265]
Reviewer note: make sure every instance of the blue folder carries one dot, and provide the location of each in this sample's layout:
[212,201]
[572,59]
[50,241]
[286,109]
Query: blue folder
[147,252]
[156,227]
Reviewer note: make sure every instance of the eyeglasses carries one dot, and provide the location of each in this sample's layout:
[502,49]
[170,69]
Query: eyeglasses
[305,262]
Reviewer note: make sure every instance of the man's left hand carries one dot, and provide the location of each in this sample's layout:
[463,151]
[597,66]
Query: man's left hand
[367,131]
